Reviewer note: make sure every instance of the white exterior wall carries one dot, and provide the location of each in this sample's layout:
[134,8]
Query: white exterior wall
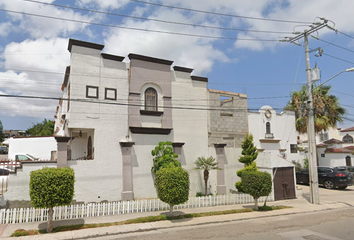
[190,126]
[40,147]
[107,124]
[18,183]
[283,129]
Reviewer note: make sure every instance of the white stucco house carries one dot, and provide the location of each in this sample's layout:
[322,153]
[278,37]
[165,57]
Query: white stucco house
[334,147]
[114,112]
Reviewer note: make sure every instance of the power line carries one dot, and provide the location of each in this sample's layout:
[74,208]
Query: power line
[344,34]
[157,20]
[141,29]
[340,59]
[221,14]
[119,103]
[335,45]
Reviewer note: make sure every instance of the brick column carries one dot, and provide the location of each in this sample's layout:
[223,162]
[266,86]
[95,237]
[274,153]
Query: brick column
[220,159]
[62,149]
[127,171]
[177,148]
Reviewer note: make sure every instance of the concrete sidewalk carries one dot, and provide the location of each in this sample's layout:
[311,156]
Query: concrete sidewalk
[300,205]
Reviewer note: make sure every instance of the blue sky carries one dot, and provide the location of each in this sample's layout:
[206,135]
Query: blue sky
[34,38]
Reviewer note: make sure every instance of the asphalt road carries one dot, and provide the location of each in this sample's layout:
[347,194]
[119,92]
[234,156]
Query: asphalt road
[323,225]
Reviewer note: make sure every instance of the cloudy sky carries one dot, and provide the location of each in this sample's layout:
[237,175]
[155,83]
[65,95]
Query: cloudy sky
[233,43]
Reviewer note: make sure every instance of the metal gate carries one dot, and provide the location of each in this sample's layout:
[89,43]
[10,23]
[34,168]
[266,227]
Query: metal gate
[284,185]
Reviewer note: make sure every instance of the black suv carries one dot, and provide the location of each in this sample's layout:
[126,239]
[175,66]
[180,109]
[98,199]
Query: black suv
[329,177]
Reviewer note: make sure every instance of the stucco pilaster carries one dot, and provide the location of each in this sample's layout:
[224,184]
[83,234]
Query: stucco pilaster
[220,159]
[62,160]
[177,148]
[127,171]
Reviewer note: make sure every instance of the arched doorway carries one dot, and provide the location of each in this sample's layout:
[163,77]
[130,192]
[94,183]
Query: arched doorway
[89,148]
[348,160]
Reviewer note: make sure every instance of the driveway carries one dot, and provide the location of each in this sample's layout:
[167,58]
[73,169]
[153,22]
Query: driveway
[331,195]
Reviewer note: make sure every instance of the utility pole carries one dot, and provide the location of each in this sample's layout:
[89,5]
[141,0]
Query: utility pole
[312,158]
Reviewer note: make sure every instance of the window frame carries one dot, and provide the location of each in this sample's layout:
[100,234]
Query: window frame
[346,138]
[293,148]
[88,87]
[153,92]
[106,90]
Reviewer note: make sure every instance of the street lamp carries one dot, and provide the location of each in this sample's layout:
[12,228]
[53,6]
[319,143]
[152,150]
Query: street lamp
[346,70]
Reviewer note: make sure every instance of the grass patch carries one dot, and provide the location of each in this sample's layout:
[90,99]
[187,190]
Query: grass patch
[271,208]
[22,232]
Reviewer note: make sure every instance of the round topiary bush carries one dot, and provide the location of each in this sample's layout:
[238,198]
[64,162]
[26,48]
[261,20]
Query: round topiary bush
[172,186]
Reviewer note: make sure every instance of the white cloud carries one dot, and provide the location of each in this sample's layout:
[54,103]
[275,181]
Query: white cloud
[5,28]
[44,27]
[114,4]
[34,68]
[194,52]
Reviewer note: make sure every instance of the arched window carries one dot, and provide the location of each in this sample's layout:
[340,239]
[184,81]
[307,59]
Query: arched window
[150,99]
[348,139]
[268,128]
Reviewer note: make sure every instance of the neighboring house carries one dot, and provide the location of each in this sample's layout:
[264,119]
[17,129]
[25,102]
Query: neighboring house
[334,147]
[14,133]
[276,139]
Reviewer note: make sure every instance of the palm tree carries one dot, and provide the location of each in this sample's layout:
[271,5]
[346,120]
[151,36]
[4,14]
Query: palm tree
[206,164]
[327,110]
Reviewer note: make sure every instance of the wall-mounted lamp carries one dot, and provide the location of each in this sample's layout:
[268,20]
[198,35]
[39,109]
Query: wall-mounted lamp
[80,134]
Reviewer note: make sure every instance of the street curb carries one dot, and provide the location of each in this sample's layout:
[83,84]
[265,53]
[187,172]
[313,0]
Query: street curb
[173,224]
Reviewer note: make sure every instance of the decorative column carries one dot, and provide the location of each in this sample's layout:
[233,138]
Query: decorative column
[177,148]
[127,171]
[220,174]
[62,148]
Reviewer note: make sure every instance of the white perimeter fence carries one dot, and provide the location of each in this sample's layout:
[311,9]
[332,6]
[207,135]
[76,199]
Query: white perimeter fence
[21,215]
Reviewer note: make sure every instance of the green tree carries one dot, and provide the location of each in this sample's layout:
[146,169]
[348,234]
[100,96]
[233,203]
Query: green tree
[248,157]
[172,186]
[164,157]
[2,134]
[45,128]
[206,164]
[257,184]
[51,187]
[327,110]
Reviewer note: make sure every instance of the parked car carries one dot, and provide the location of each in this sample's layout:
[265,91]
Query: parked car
[3,150]
[329,177]
[349,169]
[24,157]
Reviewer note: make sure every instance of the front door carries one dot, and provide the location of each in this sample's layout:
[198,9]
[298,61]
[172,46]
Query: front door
[284,185]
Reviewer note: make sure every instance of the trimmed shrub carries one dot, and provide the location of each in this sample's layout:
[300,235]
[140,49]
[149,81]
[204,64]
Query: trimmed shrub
[164,157]
[50,187]
[257,184]
[172,186]
[248,157]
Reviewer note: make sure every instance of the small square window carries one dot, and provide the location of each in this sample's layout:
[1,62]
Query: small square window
[323,155]
[110,94]
[91,92]
[293,148]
